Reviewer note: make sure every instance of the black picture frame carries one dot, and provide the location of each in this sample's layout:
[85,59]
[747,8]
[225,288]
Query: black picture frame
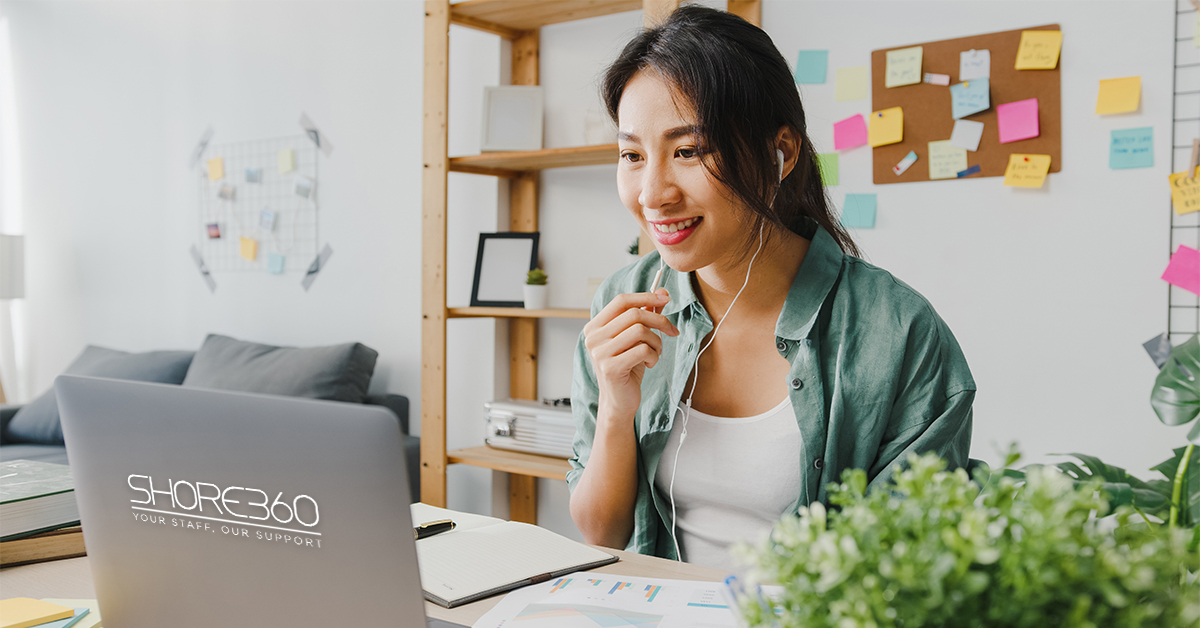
[498,259]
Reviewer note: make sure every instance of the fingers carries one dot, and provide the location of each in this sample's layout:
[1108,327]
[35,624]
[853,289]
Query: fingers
[594,335]
[624,302]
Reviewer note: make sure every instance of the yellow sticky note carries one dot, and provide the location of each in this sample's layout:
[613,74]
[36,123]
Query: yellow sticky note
[249,248]
[851,83]
[1185,191]
[946,160]
[287,161]
[91,620]
[903,67]
[1119,95]
[21,612]
[216,169]
[885,127]
[1039,50]
[1027,171]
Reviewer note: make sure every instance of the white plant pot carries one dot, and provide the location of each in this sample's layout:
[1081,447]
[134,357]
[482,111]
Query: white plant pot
[535,297]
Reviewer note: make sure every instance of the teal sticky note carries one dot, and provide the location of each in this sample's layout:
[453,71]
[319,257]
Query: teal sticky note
[828,162]
[80,613]
[811,65]
[1131,148]
[969,97]
[859,211]
[275,263]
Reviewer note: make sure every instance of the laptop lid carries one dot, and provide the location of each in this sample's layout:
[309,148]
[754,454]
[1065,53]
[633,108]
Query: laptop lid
[205,508]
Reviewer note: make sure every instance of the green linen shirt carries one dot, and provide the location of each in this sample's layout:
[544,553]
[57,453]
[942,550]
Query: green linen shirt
[876,374]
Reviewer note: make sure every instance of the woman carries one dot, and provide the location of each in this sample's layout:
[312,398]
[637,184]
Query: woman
[772,358]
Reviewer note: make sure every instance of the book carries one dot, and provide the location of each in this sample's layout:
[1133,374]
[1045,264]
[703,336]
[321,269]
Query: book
[483,556]
[23,612]
[44,546]
[35,497]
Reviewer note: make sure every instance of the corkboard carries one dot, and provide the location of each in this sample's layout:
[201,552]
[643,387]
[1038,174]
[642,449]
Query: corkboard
[927,107]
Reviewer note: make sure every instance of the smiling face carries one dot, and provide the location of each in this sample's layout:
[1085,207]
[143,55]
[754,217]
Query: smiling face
[692,218]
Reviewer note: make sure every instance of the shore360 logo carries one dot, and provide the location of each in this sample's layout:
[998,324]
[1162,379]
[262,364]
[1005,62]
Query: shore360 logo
[233,511]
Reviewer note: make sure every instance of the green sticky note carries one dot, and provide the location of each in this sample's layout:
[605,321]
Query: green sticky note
[828,162]
[859,211]
[811,66]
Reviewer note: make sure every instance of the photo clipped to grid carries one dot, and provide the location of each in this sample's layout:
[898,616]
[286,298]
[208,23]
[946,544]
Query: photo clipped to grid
[257,206]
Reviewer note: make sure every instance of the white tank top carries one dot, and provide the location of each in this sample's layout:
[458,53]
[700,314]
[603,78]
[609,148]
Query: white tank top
[736,477]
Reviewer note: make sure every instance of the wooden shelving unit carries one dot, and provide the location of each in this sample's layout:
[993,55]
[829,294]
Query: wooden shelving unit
[519,21]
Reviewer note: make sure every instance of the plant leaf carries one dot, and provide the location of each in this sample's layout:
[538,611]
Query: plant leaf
[1176,395]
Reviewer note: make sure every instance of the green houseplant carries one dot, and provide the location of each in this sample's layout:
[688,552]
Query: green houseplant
[535,289]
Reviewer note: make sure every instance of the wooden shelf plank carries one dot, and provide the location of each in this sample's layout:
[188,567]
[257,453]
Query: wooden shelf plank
[503,17]
[511,462]
[511,163]
[515,312]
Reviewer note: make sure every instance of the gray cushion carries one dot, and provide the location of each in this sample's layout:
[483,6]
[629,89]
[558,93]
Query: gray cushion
[37,421]
[338,372]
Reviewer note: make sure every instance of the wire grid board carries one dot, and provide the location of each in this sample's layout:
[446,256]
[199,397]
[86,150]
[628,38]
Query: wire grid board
[294,232]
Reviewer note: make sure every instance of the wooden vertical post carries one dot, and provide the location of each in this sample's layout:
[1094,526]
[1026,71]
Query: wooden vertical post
[749,10]
[655,12]
[436,163]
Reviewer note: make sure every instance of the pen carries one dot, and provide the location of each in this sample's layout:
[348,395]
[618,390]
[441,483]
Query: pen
[732,591]
[426,530]
[657,278]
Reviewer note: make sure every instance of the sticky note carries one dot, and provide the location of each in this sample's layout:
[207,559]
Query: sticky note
[859,211]
[216,168]
[966,134]
[90,620]
[1131,148]
[851,83]
[1017,120]
[275,263]
[828,162]
[286,159]
[1119,95]
[969,97]
[23,611]
[810,66]
[81,613]
[253,175]
[903,67]
[850,132]
[886,127]
[1039,50]
[904,164]
[1185,191]
[937,79]
[1026,171]
[1184,269]
[946,160]
[249,249]
[974,64]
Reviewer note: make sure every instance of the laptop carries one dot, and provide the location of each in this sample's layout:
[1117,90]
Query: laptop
[205,508]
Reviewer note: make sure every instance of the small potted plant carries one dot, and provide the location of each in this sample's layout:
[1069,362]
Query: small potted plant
[632,250]
[535,290]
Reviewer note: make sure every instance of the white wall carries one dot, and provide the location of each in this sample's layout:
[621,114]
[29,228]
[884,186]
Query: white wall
[1050,292]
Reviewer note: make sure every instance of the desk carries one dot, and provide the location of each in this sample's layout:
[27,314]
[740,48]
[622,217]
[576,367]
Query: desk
[72,578]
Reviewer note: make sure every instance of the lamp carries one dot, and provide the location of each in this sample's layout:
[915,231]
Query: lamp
[12,274]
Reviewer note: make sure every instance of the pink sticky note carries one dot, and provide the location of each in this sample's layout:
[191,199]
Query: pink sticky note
[1017,120]
[1184,269]
[849,133]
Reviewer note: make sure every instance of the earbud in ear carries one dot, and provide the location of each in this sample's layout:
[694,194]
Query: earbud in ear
[779,158]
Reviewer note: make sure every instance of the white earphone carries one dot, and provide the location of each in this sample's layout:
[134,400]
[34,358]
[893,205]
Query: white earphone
[779,158]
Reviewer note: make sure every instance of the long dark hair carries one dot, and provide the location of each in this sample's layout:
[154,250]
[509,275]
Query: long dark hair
[742,92]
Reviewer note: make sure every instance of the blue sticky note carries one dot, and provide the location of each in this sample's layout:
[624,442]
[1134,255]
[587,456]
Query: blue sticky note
[80,613]
[1131,148]
[859,211]
[810,66]
[275,263]
[969,97]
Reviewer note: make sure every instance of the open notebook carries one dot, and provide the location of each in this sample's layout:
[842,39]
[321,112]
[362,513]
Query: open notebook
[484,556]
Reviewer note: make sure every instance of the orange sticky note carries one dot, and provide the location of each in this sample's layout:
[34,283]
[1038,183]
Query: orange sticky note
[885,127]
[1026,171]
[249,249]
[216,169]
[1185,191]
[1039,50]
[1119,95]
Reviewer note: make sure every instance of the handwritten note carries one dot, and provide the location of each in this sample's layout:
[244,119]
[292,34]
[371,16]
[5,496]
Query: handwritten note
[851,83]
[1119,95]
[904,164]
[1039,50]
[1027,171]
[1017,120]
[249,249]
[859,211]
[903,67]
[974,64]
[286,160]
[811,66]
[969,97]
[850,133]
[1185,191]
[828,163]
[966,134]
[1184,269]
[946,160]
[1131,148]
[885,127]
[216,168]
